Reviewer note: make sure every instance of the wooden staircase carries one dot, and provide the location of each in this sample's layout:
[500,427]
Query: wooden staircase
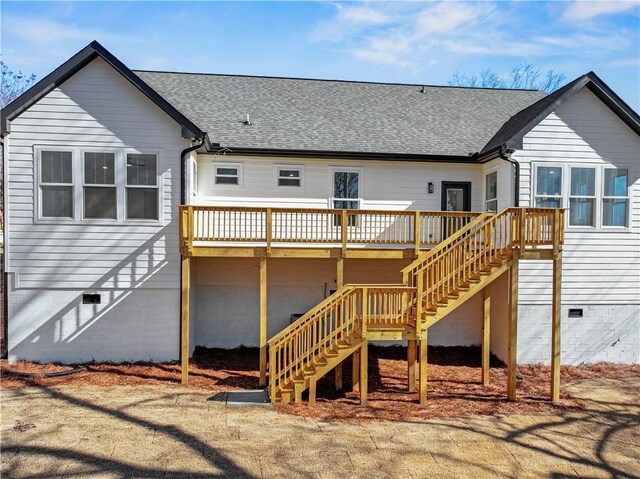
[435,284]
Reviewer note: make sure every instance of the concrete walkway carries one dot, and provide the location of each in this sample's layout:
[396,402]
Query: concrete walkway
[173,432]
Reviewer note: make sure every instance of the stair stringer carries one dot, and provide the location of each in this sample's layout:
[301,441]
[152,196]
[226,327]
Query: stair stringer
[288,392]
[474,288]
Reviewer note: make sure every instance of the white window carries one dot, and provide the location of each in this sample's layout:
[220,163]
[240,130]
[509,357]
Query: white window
[227,174]
[346,190]
[96,185]
[615,197]
[289,176]
[142,187]
[99,188]
[548,191]
[56,184]
[582,196]
[491,188]
[596,196]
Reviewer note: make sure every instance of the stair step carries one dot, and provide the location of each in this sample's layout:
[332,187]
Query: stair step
[308,372]
[474,280]
[495,263]
[320,362]
[331,353]
[430,312]
[343,345]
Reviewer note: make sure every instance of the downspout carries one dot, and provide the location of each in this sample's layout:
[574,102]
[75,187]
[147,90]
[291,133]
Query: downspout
[516,189]
[185,168]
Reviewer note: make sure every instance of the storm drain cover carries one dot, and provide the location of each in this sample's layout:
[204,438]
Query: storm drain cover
[255,397]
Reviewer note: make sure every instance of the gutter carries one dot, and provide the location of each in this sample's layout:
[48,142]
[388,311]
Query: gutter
[516,186]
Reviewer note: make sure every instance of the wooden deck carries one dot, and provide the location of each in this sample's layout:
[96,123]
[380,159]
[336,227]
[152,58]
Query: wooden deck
[466,252]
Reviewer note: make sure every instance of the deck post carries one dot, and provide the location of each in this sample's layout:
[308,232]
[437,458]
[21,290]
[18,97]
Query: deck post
[411,364]
[364,349]
[184,318]
[355,370]
[486,337]
[422,366]
[263,321]
[555,325]
[339,284]
[512,354]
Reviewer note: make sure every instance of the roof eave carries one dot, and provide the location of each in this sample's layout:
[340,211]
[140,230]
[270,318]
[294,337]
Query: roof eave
[360,155]
[71,67]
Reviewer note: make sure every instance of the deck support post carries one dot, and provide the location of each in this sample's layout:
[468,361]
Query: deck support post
[512,353]
[184,317]
[364,371]
[364,349]
[486,337]
[355,370]
[263,322]
[422,366]
[339,284]
[555,325]
[411,364]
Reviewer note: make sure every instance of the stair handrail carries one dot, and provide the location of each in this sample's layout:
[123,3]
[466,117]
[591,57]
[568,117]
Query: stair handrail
[424,256]
[295,349]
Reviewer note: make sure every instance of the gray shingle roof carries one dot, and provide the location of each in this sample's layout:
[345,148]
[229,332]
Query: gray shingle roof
[324,115]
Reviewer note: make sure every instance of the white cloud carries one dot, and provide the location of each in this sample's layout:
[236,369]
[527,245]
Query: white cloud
[411,34]
[586,10]
[449,17]
[361,15]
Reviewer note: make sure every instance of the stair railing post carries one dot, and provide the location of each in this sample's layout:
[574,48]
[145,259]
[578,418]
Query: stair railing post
[190,229]
[419,294]
[416,233]
[272,375]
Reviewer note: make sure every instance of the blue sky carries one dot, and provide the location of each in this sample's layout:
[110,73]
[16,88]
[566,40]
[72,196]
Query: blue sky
[411,42]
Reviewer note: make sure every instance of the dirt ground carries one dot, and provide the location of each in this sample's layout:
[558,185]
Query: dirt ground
[454,388]
[73,431]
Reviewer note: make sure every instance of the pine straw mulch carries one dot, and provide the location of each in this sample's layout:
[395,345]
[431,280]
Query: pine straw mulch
[454,387]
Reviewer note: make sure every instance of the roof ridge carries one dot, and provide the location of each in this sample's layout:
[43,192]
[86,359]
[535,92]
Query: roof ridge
[329,80]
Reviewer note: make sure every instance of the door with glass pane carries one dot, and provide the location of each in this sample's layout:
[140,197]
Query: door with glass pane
[346,193]
[456,196]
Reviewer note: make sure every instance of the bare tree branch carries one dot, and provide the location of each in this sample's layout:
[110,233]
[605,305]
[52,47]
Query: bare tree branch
[13,84]
[524,76]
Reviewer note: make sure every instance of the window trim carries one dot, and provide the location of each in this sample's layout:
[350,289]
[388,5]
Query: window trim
[534,184]
[346,169]
[37,184]
[157,187]
[488,172]
[224,164]
[299,168]
[595,169]
[627,198]
[77,155]
[83,185]
[566,187]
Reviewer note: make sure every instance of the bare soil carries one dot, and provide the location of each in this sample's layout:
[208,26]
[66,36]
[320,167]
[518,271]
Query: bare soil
[454,387]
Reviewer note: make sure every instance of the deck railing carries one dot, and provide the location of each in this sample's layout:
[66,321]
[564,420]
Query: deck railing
[320,226]
[483,242]
[334,321]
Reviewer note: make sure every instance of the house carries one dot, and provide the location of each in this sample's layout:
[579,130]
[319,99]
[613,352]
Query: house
[149,212]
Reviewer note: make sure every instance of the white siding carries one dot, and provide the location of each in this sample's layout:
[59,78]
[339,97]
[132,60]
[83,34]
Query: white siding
[505,182]
[384,185]
[599,267]
[95,108]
